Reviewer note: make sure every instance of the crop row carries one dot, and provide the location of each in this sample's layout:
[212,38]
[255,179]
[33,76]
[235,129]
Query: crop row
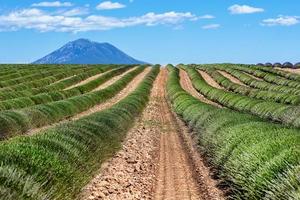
[61,84]
[14,122]
[255,159]
[64,158]
[43,98]
[74,79]
[288,75]
[260,84]
[49,77]
[269,77]
[286,114]
[36,76]
[284,98]
[13,74]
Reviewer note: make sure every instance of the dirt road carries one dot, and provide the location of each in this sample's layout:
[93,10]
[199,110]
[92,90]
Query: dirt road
[155,161]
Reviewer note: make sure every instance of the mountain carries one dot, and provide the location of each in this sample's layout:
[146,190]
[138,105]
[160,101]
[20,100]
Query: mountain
[83,51]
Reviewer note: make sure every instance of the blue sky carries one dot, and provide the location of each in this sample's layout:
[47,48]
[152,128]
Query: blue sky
[168,31]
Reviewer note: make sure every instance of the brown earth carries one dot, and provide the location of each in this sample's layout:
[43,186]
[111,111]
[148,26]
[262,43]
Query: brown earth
[113,80]
[187,85]
[129,88]
[157,160]
[130,174]
[86,80]
[232,78]
[60,80]
[210,80]
[296,71]
[175,178]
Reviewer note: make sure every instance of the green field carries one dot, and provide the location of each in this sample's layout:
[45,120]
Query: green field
[250,142]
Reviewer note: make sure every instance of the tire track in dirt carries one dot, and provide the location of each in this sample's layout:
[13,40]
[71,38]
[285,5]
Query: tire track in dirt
[187,85]
[123,93]
[130,174]
[175,178]
[232,78]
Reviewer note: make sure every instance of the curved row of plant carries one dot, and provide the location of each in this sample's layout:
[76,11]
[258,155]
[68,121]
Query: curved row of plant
[43,98]
[59,85]
[269,77]
[284,98]
[15,122]
[63,159]
[13,73]
[285,114]
[260,84]
[47,78]
[87,73]
[254,158]
[285,74]
[288,75]
[39,75]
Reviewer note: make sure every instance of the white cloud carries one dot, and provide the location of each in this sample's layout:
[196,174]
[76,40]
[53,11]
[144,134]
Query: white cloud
[52,4]
[281,21]
[108,5]
[211,26]
[75,12]
[207,17]
[244,9]
[61,22]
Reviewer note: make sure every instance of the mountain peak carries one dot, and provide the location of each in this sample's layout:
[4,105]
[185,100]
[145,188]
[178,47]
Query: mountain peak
[85,51]
[81,41]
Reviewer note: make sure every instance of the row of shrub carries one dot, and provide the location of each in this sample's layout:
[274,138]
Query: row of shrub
[50,77]
[284,98]
[286,74]
[36,76]
[15,122]
[260,84]
[43,98]
[253,159]
[281,73]
[279,65]
[63,159]
[269,77]
[285,114]
[74,79]
[59,85]
[13,73]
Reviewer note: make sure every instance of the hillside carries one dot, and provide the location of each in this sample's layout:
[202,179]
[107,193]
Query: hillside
[83,51]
